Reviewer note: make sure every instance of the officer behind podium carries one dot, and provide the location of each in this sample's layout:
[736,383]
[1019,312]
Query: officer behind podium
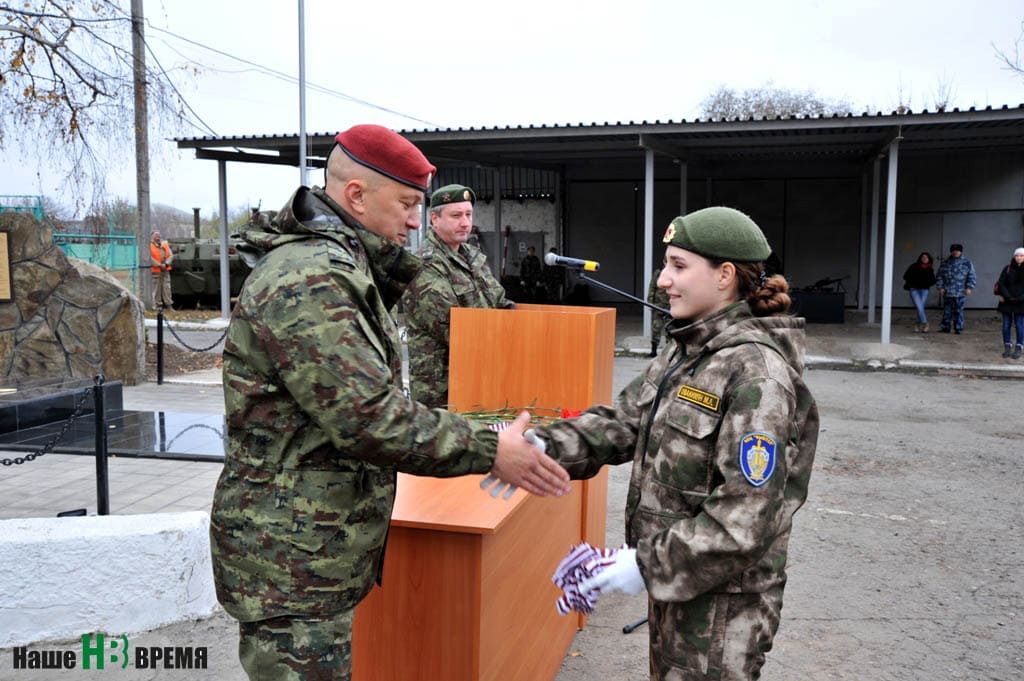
[455,274]
[721,432]
[318,423]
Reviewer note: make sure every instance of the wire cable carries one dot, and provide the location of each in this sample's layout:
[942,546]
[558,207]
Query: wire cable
[289,78]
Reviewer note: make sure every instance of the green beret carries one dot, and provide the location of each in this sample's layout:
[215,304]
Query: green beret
[720,233]
[451,193]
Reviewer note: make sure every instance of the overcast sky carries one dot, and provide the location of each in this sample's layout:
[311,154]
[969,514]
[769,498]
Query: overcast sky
[532,61]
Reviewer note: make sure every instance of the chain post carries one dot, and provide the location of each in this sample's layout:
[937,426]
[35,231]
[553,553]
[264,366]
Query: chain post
[159,344]
[102,483]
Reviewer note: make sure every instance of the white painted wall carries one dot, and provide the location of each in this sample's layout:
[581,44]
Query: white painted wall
[62,577]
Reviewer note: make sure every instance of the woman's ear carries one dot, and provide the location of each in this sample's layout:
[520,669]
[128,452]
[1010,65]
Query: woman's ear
[726,275]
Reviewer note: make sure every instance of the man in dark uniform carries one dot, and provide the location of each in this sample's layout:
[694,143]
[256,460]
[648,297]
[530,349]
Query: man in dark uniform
[318,424]
[529,276]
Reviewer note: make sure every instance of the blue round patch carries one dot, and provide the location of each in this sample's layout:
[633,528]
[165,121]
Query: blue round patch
[757,457]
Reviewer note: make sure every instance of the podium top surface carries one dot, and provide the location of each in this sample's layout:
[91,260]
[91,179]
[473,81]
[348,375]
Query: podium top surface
[451,505]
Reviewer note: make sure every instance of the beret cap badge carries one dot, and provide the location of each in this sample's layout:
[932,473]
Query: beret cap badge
[670,233]
[451,193]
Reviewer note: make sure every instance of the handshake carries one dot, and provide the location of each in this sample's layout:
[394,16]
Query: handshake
[518,463]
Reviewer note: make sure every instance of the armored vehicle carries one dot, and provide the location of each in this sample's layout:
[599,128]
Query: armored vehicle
[195,273]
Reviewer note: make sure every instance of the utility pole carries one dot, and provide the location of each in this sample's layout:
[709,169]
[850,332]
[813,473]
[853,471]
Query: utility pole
[141,151]
[303,170]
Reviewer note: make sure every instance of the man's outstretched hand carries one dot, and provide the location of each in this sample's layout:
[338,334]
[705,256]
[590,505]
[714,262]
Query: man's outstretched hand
[522,464]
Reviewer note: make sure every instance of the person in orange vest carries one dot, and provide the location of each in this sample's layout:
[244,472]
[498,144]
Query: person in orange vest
[161,257]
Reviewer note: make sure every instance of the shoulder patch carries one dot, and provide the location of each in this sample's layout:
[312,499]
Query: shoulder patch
[757,457]
[699,397]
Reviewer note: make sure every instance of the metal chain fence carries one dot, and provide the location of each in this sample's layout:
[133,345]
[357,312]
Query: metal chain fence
[192,348]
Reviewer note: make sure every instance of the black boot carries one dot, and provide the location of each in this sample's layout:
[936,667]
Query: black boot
[654,348]
[1008,351]
[1018,351]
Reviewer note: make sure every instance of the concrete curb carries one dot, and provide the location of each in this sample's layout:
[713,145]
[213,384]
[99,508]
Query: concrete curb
[218,324]
[114,573]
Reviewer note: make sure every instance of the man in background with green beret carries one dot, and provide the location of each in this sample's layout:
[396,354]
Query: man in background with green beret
[455,275]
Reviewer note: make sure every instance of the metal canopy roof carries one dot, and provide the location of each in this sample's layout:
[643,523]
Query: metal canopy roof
[552,146]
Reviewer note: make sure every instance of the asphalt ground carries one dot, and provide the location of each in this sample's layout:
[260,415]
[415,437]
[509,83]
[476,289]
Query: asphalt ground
[905,562]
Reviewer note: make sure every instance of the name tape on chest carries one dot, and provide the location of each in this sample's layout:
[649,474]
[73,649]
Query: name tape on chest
[700,398]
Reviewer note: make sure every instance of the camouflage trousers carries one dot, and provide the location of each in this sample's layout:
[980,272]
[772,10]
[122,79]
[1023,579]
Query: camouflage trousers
[720,636]
[293,649]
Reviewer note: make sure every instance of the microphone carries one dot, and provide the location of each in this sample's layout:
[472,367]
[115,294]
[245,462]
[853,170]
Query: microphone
[552,259]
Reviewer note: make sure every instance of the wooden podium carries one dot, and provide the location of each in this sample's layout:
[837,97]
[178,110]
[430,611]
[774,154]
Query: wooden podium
[467,591]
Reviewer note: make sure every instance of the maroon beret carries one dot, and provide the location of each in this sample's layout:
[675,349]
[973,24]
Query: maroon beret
[388,153]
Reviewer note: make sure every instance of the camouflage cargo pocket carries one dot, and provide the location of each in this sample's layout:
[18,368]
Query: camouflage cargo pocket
[343,509]
[681,470]
[339,522]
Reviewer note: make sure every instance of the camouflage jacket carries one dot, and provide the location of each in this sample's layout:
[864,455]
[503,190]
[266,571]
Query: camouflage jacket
[657,296]
[721,431]
[317,422]
[448,280]
[955,276]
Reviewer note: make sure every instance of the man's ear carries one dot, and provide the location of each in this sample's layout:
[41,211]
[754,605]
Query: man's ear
[354,193]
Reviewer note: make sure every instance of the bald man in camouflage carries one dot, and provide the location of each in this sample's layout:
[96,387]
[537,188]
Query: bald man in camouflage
[455,274]
[317,422]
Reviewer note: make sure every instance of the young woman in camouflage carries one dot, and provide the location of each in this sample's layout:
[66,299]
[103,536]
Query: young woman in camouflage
[721,432]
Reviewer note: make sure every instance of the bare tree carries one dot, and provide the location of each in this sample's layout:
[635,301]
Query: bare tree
[944,92]
[66,87]
[769,101]
[1015,61]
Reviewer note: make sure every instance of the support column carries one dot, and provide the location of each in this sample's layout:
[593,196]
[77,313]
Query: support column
[225,273]
[890,239]
[873,252]
[862,258]
[648,232]
[498,266]
[683,177]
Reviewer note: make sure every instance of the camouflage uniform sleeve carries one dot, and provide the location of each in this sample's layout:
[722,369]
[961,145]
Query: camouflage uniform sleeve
[600,436]
[972,276]
[332,359]
[738,521]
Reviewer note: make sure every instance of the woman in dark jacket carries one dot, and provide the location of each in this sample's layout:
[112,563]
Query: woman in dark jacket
[918,278]
[1010,290]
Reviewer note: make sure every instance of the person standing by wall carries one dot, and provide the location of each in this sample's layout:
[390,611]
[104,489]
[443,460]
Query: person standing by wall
[455,274]
[721,432]
[918,279]
[529,275]
[160,256]
[1010,290]
[955,281]
[659,297]
[318,425]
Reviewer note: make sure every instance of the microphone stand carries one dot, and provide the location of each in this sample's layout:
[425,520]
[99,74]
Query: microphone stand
[606,287]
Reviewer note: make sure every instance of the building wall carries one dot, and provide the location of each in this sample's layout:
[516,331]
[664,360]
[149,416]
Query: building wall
[812,215]
[943,198]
